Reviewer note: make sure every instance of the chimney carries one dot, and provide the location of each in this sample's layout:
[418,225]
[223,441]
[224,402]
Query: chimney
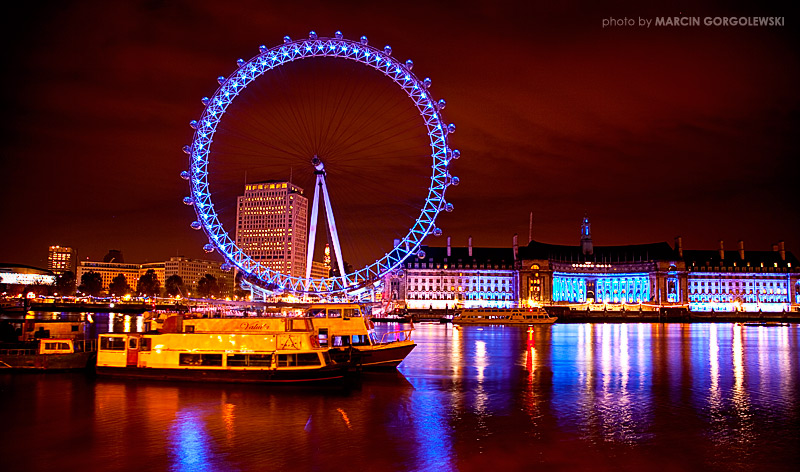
[448,246]
[741,249]
[774,248]
[721,251]
[515,242]
[679,246]
[782,250]
[470,246]
[530,229]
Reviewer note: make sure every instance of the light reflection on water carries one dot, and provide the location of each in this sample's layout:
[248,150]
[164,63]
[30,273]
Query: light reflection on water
[604,396]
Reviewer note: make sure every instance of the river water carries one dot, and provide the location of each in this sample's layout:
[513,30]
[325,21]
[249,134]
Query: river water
[637,397]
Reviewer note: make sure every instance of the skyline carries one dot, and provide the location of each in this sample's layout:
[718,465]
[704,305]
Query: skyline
[652,132]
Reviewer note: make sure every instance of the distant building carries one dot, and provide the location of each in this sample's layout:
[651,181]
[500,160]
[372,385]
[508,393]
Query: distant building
[441,278]
[109,270]
[271,225]
[61,259]
[192,270]
[17,274]
[158,267]
[740,280]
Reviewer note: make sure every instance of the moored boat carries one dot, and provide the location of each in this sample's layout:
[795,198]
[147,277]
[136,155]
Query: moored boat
[45,345]
[503,316]
[351,336]
[256,350]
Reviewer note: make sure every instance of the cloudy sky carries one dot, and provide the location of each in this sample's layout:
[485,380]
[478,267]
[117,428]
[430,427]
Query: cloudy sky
[653,132]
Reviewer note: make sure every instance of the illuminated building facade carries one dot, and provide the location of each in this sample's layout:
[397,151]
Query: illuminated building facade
[61,259]
[739,280]
[442,278]
[109,270]
[271,225]
[192,270]
[17,274]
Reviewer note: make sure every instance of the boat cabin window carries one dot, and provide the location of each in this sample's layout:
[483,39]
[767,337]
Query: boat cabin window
[316,313]
[360,340]
[213,360]
[188,329]
[133,343]
[340,341]
[74,327]
[112,343]
[335,313]
[349,313]
[298,324]
[295,360]
[323,336]
[56,346]
[144,344]
[249,360]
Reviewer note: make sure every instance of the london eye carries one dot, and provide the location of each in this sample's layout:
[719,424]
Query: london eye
[306,108]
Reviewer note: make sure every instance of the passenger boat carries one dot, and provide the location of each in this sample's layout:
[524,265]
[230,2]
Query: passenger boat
[45,345]
[503,316]
[351,336]
[256,350]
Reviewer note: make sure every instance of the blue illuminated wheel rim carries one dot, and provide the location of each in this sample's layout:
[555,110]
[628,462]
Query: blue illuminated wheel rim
[267,60]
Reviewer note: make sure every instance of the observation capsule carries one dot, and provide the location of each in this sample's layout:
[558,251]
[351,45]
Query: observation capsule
[448,208]
[196,225]
[226,266]
[437,231]
[387,50]
[364,40]
[441,104]
[338,35]
[187,149]
[204,100]
[312,34]
[240,62]
[454,181]
[421,254]
[221,79]
[185,175]
[193,124]
[451,128]
[287,39]
[262,49]
[409,64]
[208,247]
[188,201]
[456,153]
[427,82]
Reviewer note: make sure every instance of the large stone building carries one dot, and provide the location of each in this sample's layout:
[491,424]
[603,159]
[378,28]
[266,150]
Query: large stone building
[192,270]
[655,274]
[109,270]
[271,225]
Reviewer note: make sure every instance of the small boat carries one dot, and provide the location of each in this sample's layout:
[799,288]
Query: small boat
[503,316]
[351,336]
[45,345]
[254,350]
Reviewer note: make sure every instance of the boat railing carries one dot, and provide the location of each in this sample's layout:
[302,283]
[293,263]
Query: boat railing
[395,336]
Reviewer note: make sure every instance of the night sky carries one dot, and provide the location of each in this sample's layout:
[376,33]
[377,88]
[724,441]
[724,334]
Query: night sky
[653,133]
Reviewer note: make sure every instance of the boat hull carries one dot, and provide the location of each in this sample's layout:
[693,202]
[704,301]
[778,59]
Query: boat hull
[266,376]
[375,357]
[47,362]
[505,322]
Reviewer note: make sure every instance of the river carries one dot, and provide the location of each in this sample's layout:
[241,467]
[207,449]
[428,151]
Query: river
[671,397]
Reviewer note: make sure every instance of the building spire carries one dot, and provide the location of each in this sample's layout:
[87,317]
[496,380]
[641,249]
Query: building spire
[586,236]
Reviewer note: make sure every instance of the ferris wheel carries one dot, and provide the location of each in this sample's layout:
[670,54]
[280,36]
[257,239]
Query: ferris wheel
[274,60]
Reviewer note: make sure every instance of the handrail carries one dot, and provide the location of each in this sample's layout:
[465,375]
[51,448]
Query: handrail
[406,336]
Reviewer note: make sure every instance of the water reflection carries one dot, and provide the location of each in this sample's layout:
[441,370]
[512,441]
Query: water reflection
[607,396]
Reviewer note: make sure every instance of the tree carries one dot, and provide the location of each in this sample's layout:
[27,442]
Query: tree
[207,286]
[91,284]
[66,283]
[119,286]
[148,285]
[174,285]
